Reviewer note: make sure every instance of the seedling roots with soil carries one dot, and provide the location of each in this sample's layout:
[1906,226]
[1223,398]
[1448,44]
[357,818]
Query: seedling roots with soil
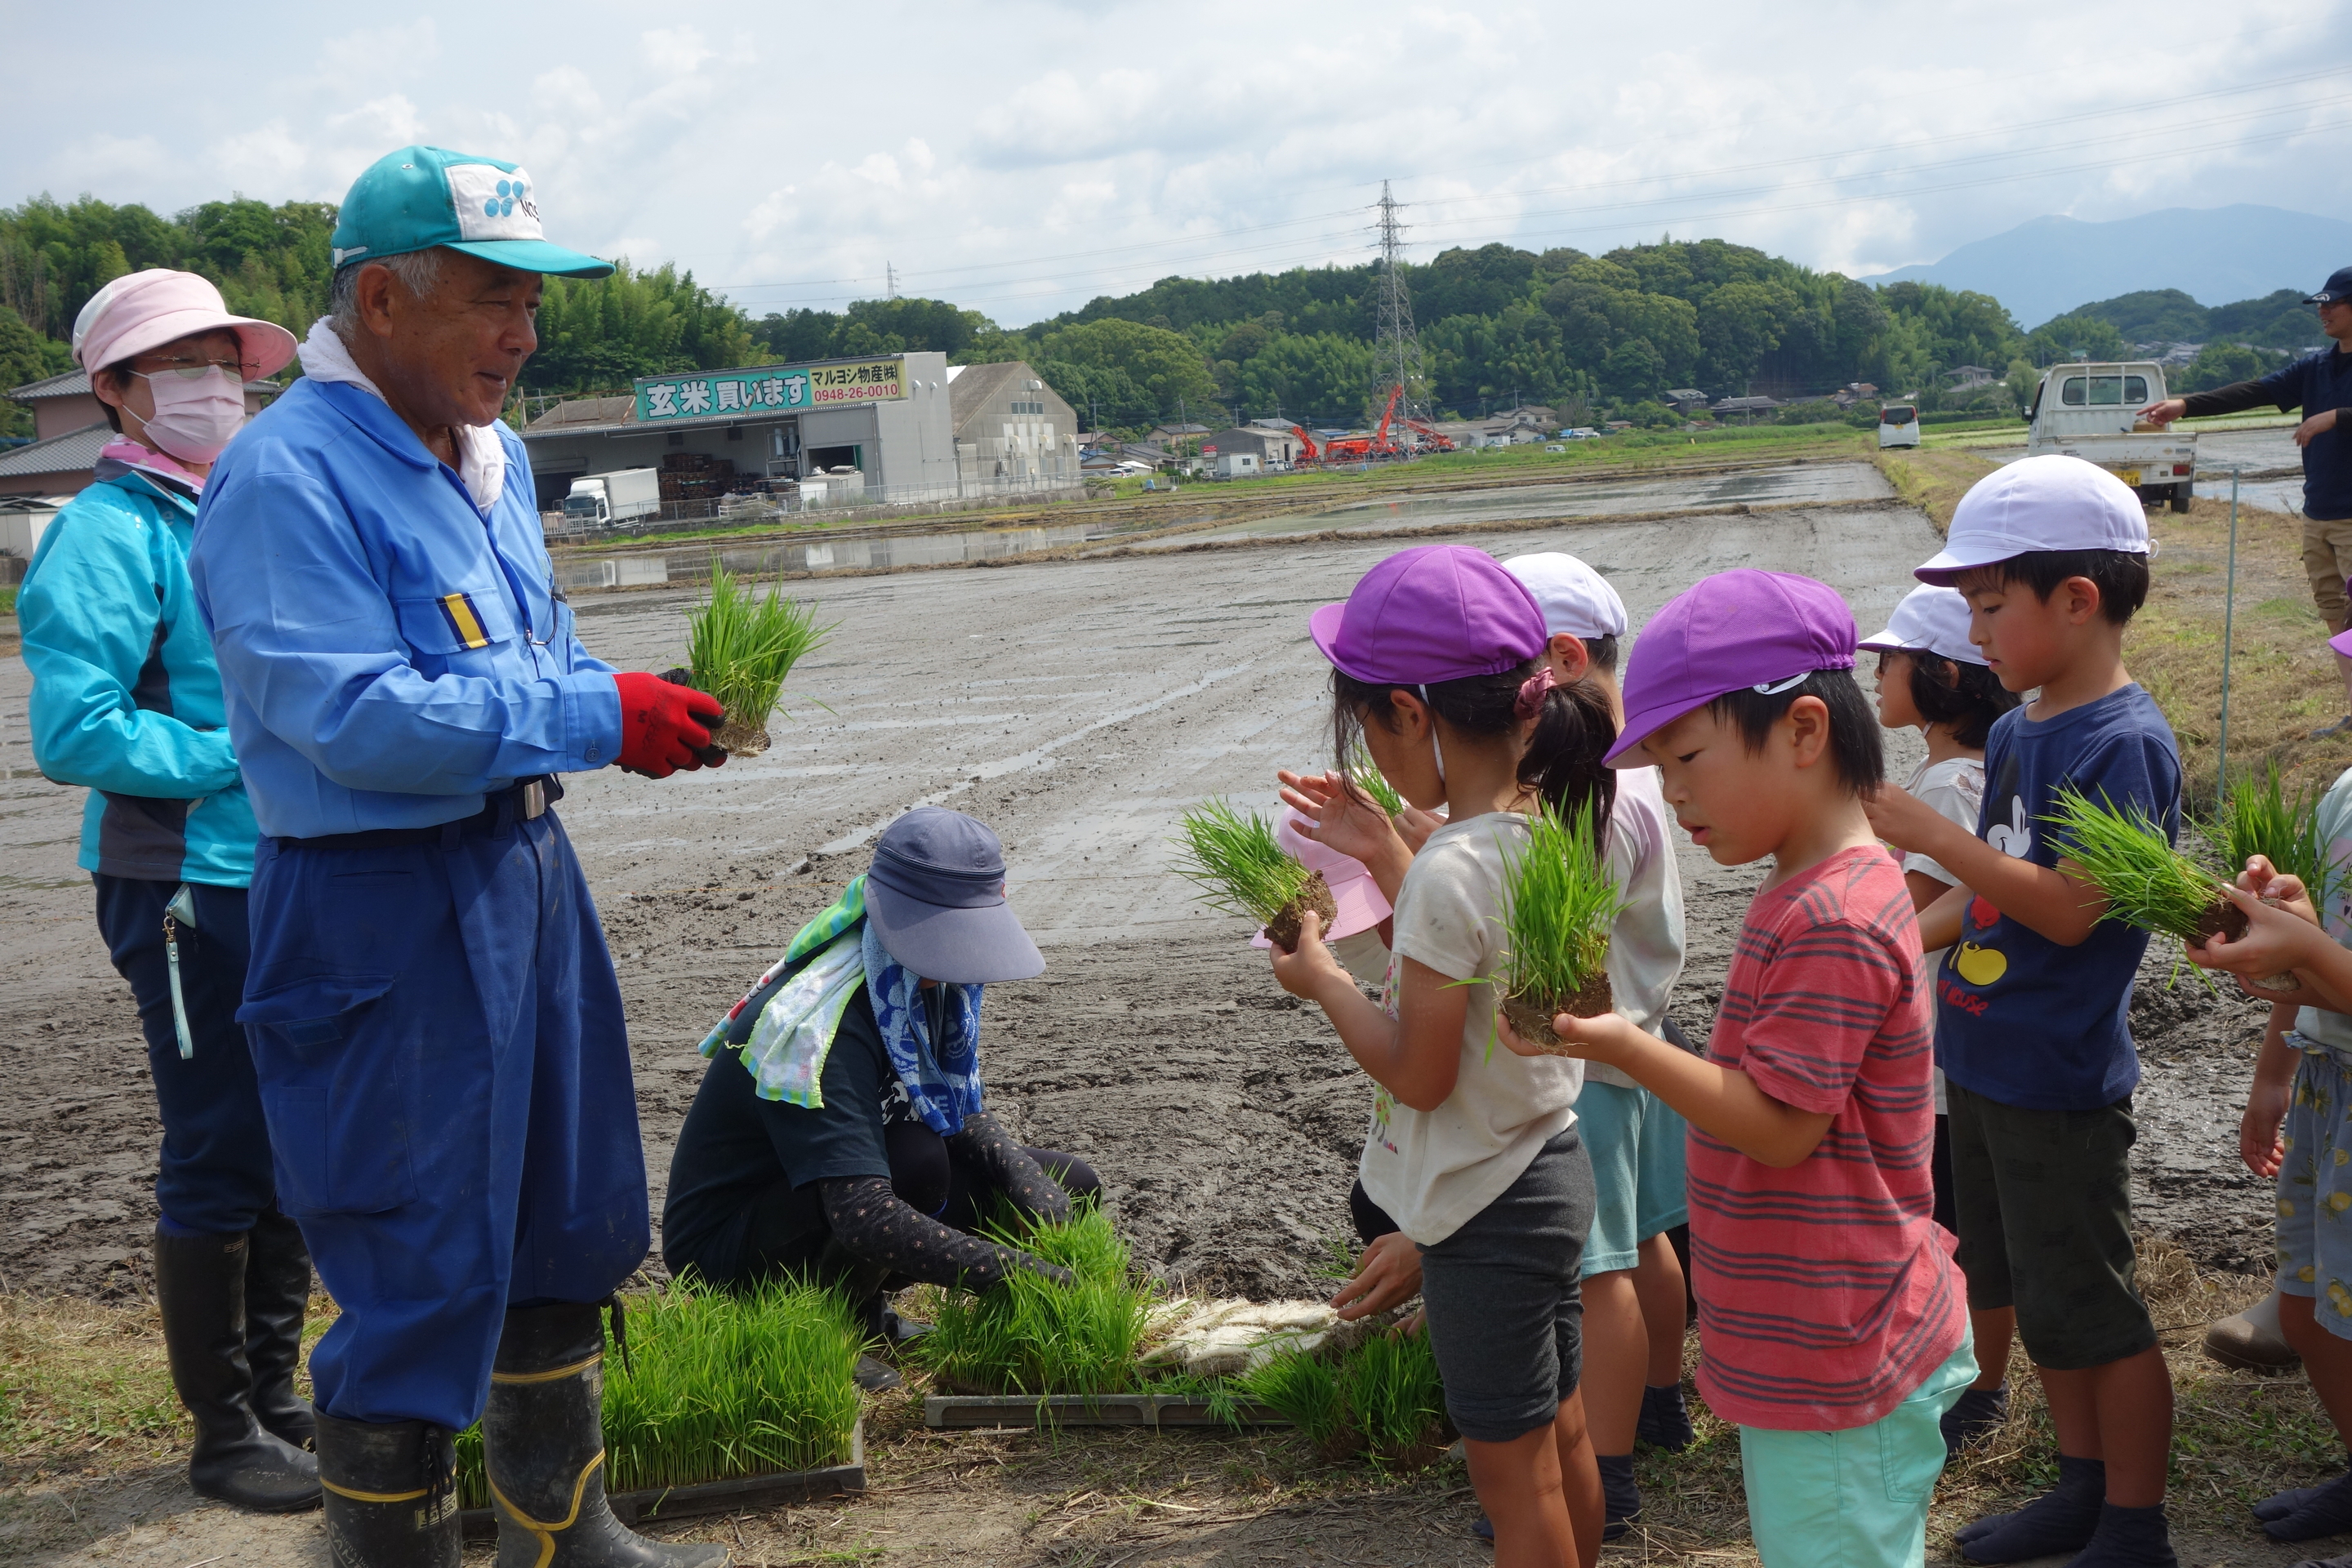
[1239,866]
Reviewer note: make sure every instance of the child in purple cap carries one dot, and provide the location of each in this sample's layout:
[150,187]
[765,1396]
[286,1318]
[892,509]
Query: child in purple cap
[2033,1000]
[1831,1327]
[1438,670]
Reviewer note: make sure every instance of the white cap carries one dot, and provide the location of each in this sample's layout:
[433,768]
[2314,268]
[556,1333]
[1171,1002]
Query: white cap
[1929,620]
[2050,502]
[1576,601]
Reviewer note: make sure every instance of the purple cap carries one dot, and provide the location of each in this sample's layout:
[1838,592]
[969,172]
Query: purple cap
[1436,612]
[1746,628]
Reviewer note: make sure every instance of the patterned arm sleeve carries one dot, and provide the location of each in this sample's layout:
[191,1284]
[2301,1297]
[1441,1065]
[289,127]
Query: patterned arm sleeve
[869,1218]
[983,1142]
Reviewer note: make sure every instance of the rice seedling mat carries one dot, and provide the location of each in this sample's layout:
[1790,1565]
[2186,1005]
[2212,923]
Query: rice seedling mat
[966,1412]
[750,1493]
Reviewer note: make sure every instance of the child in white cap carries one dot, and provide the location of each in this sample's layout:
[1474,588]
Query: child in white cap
[2033,999]
[1633,1300]
[1931,679]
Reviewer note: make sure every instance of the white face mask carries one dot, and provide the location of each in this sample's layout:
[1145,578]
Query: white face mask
[194,415]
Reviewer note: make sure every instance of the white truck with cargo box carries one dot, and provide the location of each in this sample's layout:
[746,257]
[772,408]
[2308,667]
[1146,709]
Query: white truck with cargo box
[600,500]
[2091,411]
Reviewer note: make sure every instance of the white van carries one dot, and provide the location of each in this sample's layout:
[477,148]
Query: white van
[1898,426]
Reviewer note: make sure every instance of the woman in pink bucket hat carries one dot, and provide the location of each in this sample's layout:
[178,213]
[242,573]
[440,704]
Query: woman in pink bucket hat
[127,700]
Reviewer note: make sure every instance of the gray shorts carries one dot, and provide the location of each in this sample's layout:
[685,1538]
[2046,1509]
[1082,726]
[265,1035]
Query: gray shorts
[1505,1316]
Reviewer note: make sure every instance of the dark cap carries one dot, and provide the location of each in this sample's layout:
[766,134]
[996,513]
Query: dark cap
[2337,287]
[936,895]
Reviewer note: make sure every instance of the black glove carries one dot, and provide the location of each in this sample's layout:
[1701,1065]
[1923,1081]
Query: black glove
[982,1142]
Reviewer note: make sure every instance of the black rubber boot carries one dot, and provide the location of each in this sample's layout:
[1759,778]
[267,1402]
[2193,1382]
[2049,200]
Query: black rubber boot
[391,1494]
[277,1296]
[200,1284]
[543,1443]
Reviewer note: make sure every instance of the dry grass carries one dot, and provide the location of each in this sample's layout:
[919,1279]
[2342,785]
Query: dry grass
[2282,680]
[83,1390]
[1933,481]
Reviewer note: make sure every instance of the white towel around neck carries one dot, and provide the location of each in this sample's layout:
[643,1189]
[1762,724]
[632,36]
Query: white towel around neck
[481,459]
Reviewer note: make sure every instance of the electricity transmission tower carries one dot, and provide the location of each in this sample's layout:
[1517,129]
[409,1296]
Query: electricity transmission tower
[890,275]
[1396,354]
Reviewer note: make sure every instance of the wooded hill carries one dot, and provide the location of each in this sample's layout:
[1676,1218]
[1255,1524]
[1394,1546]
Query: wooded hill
[1589,335]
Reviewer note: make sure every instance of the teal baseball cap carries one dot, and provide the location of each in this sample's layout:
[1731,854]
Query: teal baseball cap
[420,197]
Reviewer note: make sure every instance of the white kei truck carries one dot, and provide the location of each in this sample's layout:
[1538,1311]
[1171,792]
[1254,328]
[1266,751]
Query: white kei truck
[600,500]
[2091,411]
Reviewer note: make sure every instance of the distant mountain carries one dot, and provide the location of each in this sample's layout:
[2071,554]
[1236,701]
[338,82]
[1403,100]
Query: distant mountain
[2049,265]
[2276,320]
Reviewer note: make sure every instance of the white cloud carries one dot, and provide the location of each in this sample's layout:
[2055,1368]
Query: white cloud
[1028,156]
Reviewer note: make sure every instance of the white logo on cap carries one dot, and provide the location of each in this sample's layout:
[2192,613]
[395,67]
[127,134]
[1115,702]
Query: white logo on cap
[492,204]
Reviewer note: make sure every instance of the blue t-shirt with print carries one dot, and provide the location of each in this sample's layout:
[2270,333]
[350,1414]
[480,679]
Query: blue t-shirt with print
[2020,1019]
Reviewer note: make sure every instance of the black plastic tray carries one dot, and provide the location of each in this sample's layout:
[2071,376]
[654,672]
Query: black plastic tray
[970,1411]
[746,1493]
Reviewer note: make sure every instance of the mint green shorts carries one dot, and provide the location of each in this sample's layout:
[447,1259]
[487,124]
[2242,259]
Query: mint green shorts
[1857,1499]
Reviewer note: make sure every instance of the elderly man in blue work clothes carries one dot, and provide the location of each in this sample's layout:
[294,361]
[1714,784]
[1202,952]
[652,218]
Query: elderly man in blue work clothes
[435,1022]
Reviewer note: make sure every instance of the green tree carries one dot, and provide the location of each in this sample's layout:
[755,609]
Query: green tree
[1160,372]
[26,356]
[2221,365]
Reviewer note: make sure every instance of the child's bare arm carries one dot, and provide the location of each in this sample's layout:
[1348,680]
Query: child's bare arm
[2050,903]
[2267,1101]
[1415,1056]
[1941,922]
[1723,1101]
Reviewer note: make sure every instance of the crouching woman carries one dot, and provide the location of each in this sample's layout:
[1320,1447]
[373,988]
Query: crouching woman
[839,1134]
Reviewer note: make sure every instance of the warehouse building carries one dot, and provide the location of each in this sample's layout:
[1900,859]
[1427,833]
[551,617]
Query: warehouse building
[1013,434]
[877,429]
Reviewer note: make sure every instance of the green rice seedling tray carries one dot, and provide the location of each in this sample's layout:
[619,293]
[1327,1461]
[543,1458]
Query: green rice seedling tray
[739,1493]
[969,1412]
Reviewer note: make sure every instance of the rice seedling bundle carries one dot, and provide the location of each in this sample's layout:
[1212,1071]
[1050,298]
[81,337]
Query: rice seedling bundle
[1384,1397]
[2147,882]
[1366,776]
[1034,1336]
[2260,818]
[1558,903]
[719,1385]
[742,649]
[1233,856]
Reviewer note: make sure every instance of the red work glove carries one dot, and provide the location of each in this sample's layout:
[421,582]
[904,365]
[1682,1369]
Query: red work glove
[664,727]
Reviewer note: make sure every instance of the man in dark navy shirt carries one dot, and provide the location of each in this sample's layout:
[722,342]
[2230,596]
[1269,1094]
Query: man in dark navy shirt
[2320,383]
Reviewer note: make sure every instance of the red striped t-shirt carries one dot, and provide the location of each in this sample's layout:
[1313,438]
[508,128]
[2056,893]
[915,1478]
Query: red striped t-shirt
[1827,1291]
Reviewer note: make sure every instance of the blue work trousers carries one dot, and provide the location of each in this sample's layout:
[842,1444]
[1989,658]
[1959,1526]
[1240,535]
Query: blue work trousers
[438,1036]
[213,1175]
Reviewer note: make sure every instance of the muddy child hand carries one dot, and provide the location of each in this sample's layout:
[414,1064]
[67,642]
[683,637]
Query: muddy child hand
[1387,1275]
[2258,1129]
[2276,940]
[1602,1039]
[1307,970]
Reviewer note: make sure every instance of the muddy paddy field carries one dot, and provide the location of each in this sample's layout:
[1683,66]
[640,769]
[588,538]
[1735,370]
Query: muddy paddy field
[1077,707]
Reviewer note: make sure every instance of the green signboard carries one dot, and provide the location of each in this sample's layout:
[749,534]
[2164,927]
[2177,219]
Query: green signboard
[772,389]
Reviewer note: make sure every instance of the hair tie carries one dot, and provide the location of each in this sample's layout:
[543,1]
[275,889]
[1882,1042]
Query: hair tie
[1532,690]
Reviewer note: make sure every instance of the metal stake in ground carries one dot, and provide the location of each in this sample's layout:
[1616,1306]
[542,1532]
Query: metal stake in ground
[2229,607]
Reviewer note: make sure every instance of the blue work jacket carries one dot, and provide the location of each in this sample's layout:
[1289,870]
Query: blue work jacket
[2316,383]
[390,652]
[126,697]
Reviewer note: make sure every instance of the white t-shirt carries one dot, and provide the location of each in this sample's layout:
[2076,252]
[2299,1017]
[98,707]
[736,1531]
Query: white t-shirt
[1955,787]
[1645,945]
[2317,1023]
[1432,1170]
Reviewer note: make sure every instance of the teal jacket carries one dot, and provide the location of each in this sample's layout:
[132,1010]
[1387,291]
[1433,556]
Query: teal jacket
[126,694]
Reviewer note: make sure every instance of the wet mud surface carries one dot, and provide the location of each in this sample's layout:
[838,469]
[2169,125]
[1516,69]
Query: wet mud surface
[1077,708]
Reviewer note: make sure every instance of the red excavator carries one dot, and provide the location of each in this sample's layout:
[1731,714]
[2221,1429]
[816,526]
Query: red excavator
[1433,439]
[1364,448]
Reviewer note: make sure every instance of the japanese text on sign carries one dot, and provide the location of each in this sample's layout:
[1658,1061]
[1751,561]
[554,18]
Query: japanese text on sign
[715,394]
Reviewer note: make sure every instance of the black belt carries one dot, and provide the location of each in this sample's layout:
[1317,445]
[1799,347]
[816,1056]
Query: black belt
[524,803]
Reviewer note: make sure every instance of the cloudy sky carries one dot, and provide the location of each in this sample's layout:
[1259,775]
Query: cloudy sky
[1022,156]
